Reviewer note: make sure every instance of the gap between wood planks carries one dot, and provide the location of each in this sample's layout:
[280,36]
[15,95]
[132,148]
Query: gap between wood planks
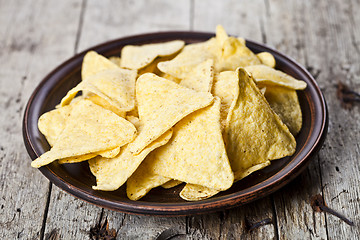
[78,35]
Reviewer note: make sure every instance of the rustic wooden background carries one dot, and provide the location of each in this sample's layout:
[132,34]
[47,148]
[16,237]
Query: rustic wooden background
[324,36]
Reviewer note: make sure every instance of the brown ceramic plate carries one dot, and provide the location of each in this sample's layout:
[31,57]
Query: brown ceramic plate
[77,180]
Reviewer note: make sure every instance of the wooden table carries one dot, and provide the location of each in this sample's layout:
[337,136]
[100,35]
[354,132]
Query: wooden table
[324,36]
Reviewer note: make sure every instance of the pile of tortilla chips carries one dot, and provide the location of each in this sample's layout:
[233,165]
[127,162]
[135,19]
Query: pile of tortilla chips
[206,114]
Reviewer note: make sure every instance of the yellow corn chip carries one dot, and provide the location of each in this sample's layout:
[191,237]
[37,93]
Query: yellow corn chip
[172,183]
[191,56]
[106,154]
[105,104]
[221,35]
[285,103]
[196,153]
[89,129]
[94,63]
[226,86]
[115,86]
[112,173]
[201,77]
[234,55]
[269,76]
[51,124]
[267,59]
[161,104]
[192,192]
[77,159]
[254,134]
[137,57]
[143,180]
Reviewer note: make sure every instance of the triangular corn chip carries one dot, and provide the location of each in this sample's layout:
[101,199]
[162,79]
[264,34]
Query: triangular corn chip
[254,134]
[285,103]
[226,86]
[52,123]
[267,59]
[201,77]
[269,76]
[105,104]
[191,56]
[235,54]
[161,104]
[116,60]
[196,153]
[89,129]
[116,86]
[143,180]
[94,63]
[192,192]
[112,173]
[171,183]
[137,57]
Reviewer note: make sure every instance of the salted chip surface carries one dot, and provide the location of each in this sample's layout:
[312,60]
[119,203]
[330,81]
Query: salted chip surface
[116,60]
[89,129]
[269,76]
[143,180]
[161,104]
[192,192]
[196,153]
[226,86]
[137,57]
[201,77]
[254,134]
[94,63]
[285,103]
[112,173]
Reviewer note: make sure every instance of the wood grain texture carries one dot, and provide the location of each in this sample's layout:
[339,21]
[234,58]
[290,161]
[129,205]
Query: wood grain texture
[103,21]
[28,35]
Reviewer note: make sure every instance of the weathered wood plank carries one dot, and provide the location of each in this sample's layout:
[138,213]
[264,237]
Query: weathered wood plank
[30,31]
[286,31]
[339,44]
[103,21]
[107,20]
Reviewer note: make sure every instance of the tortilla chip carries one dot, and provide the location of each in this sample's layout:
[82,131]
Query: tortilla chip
[234,55]
[191,56]
[201,77]
[161,104]
[254,134]
[134,120]
[226,86]
[137,57]
[221,35]
[94,63]
[269,76]
[105,104]
[143,180]
[285,103]
[112,173]
[196,153]
[77,159]
[192,192]
[115,86]
[171,183]
[51,124]
[89,129]
[267,59]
